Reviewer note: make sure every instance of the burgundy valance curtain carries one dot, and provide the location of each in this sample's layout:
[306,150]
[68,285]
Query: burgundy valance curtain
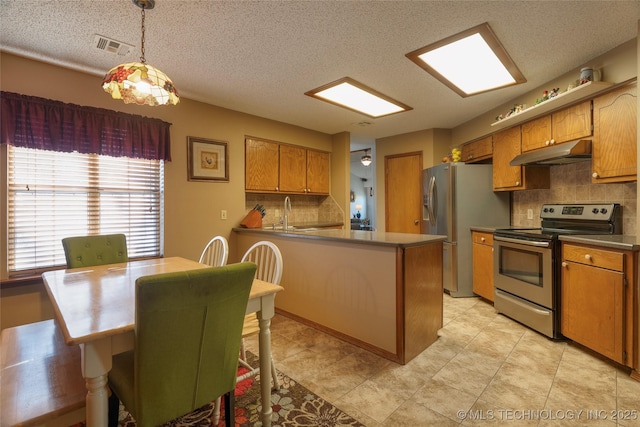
[32,122]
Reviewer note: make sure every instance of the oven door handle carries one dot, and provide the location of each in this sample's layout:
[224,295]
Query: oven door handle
[522,242]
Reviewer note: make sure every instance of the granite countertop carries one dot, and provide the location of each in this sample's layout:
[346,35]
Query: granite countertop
[614,241]
[354,236]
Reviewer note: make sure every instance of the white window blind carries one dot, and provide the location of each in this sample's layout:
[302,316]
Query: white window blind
[54,195]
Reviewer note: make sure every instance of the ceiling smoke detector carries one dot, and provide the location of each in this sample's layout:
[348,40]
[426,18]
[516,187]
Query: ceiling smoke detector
[111,45]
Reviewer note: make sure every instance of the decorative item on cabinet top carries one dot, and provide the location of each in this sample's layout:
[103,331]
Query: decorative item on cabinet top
[557,101]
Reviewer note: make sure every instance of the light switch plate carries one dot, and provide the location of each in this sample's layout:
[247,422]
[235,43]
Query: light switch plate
[223,214]
[529,213]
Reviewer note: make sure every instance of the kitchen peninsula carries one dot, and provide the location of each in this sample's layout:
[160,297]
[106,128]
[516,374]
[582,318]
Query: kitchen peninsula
[380,291]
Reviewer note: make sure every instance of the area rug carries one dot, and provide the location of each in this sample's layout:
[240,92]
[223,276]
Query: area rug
[293,405]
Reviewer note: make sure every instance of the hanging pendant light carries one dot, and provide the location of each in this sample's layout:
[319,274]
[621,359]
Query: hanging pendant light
[139,82]
[366,159]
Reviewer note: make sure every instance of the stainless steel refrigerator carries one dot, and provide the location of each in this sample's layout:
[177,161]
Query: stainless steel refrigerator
[456,197]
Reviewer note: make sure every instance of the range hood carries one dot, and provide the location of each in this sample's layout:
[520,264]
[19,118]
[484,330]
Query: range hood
[560,154]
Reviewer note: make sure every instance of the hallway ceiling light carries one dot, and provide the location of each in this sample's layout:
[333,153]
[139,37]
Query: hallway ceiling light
[138,82]
[470,62]
[366,159]
[351,94]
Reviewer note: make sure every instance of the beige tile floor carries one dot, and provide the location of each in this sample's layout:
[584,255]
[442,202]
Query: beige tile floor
[484,369]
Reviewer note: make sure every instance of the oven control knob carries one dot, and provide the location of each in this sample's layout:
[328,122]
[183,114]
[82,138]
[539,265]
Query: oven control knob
[594,210]
[603,210]
[551,210]
[545,210]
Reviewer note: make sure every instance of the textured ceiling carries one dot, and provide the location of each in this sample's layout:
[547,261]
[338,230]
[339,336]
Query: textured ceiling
[260,57]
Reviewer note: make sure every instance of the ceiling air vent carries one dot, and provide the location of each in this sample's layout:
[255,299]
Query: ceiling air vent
[112,46]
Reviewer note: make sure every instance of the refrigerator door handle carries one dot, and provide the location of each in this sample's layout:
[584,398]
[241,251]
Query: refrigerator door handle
[430,201]
[434,201]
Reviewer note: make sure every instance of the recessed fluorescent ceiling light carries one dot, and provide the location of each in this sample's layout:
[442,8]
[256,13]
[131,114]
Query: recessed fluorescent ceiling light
[469,62]
[355,96]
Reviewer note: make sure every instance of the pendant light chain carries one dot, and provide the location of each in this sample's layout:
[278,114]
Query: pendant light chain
[142,44]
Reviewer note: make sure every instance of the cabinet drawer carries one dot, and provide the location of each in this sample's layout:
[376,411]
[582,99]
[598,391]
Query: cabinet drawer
[594,257]
[482,238]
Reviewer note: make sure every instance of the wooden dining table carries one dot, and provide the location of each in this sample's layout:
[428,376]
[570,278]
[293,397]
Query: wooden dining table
[95,309]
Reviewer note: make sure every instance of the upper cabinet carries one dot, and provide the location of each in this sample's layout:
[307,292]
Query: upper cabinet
[261,165]
[561,126]
[571,123]
[536,133]
[615,136]
[477,151]
[318,172]
[272,167]
[293,169]
[506,146]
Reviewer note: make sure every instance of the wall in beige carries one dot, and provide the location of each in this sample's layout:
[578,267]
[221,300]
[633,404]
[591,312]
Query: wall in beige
[433,143]
[192,209]
[617,65]
[570,183]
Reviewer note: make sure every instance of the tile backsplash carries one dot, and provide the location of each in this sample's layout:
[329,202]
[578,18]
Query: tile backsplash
[304,209]
[571,183]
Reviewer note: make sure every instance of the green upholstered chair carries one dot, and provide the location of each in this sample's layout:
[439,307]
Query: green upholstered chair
[86,251]
[187,337]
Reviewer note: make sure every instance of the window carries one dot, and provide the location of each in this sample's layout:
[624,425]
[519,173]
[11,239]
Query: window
[52,195]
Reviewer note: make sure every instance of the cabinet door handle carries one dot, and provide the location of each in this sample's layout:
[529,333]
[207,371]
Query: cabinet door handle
[595,175]
[547,142]
[277,188]
[564,264]
[553,141]
[482,239]
[416,222]
[517,183]
[587,257]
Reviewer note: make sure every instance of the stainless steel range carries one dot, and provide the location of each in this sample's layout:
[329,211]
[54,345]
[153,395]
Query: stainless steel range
[526,270]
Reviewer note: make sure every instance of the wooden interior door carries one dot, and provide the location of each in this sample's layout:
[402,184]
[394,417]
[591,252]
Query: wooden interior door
[403,192]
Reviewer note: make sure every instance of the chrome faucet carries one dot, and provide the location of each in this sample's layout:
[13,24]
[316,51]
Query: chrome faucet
[285,213]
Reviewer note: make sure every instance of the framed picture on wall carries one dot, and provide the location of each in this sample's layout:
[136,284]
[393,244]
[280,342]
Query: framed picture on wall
[207,160]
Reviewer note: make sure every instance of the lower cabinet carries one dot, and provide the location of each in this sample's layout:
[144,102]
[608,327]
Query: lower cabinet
[483,264]
[597,300]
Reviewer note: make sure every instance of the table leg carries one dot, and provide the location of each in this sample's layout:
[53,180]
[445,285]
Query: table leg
[265,367]
[96,364]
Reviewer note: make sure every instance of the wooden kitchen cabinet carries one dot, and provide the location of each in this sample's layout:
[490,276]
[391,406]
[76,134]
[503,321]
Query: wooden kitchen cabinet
[477,151]
[272,167]
[318,172]
[565,125]
[482,254]
[615,136]
[506,146]
[261,165]
[597,300]
[536,133]
[293,169]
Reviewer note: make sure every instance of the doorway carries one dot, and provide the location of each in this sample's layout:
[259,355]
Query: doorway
[362,205]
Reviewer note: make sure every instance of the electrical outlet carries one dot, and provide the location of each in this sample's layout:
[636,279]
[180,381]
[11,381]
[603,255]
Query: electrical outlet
[276,212]
[223,214]
[529,213]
